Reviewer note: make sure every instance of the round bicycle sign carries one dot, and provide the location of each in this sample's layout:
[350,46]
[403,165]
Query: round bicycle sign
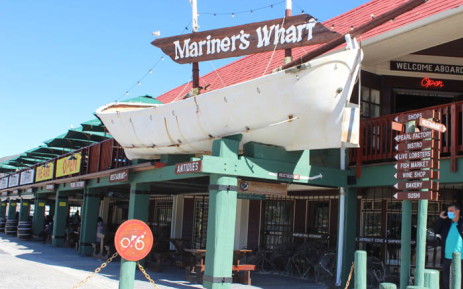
[133,240]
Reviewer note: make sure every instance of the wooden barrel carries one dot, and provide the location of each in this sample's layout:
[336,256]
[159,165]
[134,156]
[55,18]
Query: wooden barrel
[2,224]
[25,230]
[11,227]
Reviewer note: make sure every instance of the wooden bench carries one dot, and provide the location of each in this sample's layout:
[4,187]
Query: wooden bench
[241,273]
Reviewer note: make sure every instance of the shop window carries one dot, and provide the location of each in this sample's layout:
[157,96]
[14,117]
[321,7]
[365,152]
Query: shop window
[201,209]
[320,221]
[277,227]
[371,103]
[162,223]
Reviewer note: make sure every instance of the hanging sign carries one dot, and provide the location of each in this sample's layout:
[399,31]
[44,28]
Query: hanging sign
[415,155]
[77,185]
[13,180]
[294,31]
[44,172]
[133,240]
[120,176]
[4,183]
[414,116]
[417,185]
[262,188]
[427,67]
[414,136]
[27,177]
[50,187]
[188,167]
[415,165]
[68,165]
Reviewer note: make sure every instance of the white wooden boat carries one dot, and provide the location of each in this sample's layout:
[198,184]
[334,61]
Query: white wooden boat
[297,108]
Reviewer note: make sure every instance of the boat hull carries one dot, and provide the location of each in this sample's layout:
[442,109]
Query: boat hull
[298,108]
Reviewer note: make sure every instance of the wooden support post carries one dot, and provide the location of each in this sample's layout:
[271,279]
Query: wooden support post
[421,242]
[138,209]
[350,232]
[59,220]
[360,271]
[405,247]
[221,219]
[24,210]
[455,125]
[431,278]
[12,210]
[455,275]
[90,208]
[39,216]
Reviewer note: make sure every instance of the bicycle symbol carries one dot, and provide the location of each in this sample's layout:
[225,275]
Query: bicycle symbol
[139,243]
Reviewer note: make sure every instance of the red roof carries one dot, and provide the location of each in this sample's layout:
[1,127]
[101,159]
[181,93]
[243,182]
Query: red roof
[253,66]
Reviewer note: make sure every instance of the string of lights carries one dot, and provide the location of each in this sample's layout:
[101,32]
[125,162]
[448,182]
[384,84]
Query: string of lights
[233,13]
[150,71]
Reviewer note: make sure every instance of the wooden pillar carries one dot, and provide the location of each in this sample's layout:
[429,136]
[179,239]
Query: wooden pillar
[138,209]
[39,216]
[12,210]
[3,210]
[90,209]
[59,220]
[221,219]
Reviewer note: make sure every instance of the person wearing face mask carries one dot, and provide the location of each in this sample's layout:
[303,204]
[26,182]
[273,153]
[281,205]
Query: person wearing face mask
[450,227]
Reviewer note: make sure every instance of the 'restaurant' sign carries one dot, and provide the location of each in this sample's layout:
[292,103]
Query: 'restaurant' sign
[68,165]
[427,67]
[432,125]
[294,31]
[44,172]
[188,168]
[27,177]
[120,176]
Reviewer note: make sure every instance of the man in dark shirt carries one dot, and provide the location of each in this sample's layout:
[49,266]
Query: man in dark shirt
[450,227]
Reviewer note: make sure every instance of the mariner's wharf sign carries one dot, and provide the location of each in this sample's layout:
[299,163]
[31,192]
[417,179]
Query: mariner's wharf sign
[290,32]
[427,67]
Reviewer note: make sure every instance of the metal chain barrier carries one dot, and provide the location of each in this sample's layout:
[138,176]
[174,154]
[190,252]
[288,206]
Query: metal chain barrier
[350,275]
[146,275]
[97,270]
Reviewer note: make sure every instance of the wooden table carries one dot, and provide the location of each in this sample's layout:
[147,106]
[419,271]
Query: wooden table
[196,272]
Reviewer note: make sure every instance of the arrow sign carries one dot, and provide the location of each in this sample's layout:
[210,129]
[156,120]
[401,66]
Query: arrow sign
[417,145]
[432,125]
[416,195]
[415,165]
[414,136]
[414,155]
[417,185]
[403,118]
[410,175]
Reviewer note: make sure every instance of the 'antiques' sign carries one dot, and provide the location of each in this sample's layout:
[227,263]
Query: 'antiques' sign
[44,172]
[294,31]
[27,177]
[427,67]
[120,176]
[68,165]
[188,168]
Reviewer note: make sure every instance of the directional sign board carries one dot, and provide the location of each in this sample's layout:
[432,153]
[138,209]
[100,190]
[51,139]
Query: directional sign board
[419,195]
[417,185]
[414,136]
[416,145]
[413,175]
[414,116]
[432,125]
[416,165]
[415,155]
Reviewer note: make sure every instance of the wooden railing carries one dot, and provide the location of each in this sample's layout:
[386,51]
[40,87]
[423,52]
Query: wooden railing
[377,137]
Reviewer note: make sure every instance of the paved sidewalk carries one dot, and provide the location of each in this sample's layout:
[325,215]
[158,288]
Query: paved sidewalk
[33,265]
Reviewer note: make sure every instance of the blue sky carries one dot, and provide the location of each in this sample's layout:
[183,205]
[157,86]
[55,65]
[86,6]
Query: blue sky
[61,60]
